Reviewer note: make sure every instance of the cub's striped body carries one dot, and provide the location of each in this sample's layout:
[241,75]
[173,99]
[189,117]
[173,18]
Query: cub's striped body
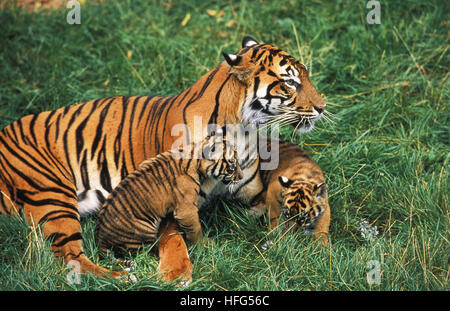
[57,165]
[297,188]
[169,183]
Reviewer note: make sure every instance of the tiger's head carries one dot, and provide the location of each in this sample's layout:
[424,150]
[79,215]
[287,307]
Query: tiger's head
[277,86]
[220,160]
[302,202]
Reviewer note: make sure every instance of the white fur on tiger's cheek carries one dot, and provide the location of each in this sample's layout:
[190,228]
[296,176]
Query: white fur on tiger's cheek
[275,102]
[261,92]
[263,102]
[250,115]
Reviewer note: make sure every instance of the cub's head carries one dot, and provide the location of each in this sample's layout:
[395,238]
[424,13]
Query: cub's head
[302,202]
[277,86]
[220,160]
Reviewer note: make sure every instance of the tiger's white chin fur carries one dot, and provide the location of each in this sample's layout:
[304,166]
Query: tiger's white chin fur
[305,128]
[308,123]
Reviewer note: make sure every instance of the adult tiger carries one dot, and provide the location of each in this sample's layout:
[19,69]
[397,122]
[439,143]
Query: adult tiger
[58,165]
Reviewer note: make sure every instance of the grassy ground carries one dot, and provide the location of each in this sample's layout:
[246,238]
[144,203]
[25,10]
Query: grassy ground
[385,157]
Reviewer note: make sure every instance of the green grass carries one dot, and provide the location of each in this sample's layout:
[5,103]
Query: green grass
[385,157]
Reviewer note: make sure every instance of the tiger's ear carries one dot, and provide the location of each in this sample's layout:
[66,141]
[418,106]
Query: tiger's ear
[320,190]
[241,68]
[284,181]
[232,59]
[248,42]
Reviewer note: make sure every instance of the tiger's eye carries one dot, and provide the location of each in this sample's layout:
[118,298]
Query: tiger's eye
[290,82]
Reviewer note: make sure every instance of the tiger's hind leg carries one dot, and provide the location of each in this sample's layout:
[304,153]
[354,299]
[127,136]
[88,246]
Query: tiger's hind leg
[60,223]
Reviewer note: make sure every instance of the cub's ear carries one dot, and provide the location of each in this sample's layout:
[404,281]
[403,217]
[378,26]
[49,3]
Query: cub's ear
[284,181]
[232,59]
[248,42]
[320,190]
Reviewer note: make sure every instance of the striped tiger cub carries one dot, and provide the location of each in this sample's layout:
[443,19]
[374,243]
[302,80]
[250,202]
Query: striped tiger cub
[168,183]
[297,186]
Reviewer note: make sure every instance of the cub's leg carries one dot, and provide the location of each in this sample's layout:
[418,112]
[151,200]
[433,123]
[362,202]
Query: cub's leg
[187,217]
[322,225]
[174,259]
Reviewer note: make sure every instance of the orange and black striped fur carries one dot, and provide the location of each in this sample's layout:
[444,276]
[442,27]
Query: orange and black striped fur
[169,183]
[56,166]
[297,189]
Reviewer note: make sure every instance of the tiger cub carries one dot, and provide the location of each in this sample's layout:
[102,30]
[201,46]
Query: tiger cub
[297,186]
[164,185]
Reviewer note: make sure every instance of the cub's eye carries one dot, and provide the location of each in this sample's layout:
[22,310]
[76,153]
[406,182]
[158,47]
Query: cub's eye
[231,168]
[290,83]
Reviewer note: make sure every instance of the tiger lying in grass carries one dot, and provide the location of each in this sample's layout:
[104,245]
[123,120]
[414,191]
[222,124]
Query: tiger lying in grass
[57,166]
[167,184]
[298,187]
